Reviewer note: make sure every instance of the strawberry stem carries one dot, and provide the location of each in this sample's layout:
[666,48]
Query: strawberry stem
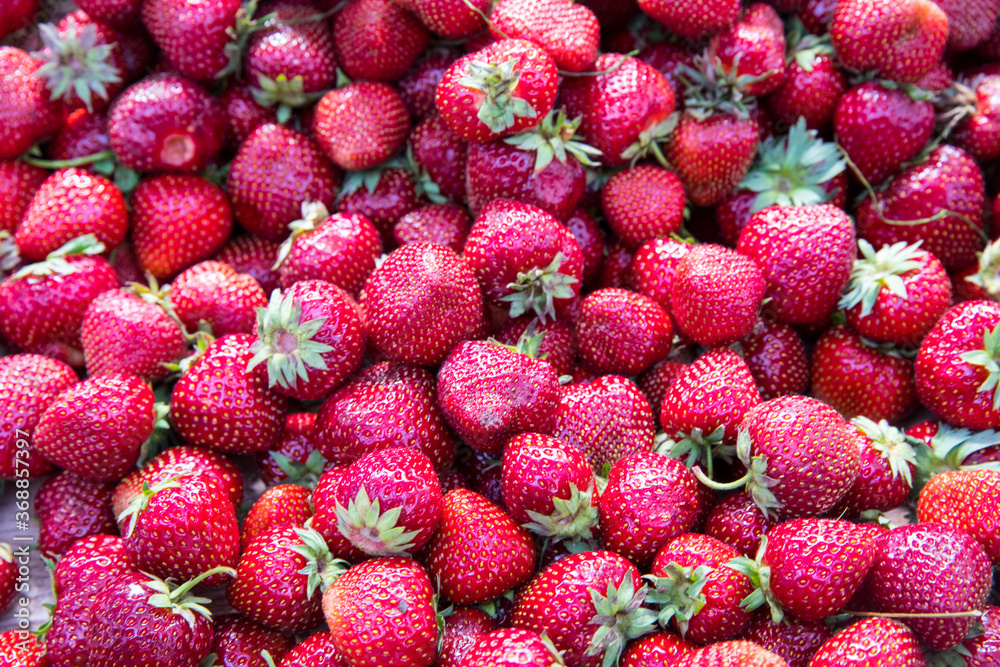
[81,161]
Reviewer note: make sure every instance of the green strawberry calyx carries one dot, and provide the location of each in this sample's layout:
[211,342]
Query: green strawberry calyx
[321,568]
[286,93]
[140,502]
[697,448]
[892,444]
[314,213]
[422,179]
[803,47]
[875,271]
[710,88]
[650,139]
[287,343]
[74,63]
[555,138]
[55,262]
[620,617]
[303,474]
[792,170]
[500,107]
[679,594]
[987,358]
[536,290]
[760,578]
[572,518]
[756,481]
[176,598]
[375,532]
[950,447]
[988,274]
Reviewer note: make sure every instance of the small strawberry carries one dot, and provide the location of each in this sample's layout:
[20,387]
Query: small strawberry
[214,294]
[451,19]
[753,49]
[280,506]
[968,500]
[439,157]
[654,267]
[621,332]
[388,194]
[28,112]
[888,465]
[296,457]
[737,521]
[813,82]
[198,46]
[776,357]
[879,640]
[558,346]
[443,224]
[972,105]
[313,651]
[237,640]
[377,40]
[350,134]
[793,640]
[118,13]
[243,113]
[253,256]
[71,508]
[418,85]
[509,647]
[643,203]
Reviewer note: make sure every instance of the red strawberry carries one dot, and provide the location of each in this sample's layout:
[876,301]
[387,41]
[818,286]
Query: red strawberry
[238,640]
[658,648]
[955,366]
[506,88]
[385,405]
[243,113]
[897,39]
[451,19]
[82,63]
[590,237]
[439,157]
[973,107]
[462,630]
[643,203]
[383,202]
[985,647]
[70,508]
[888,464]
[118,13]
[777,360]
[296,457]
[558,346]
[20,651]
[793,640]
[615,269]
[737,521]
[69,204]
[281,506]
[163,205]
[17,16]
[29,114]
[622,332]
[377,40]
[968,500]
[509,647]
[420,303]
[18,183]
[708,182]
[736,653]
[813,83]
[418,85]
[219,404]
[253,256]
[214,294]
[569,33]
[197,47]
[654,268]
[353,137]
[443,224]
[382,612]
[927,569]
[29,383]
[796,247]
[95,428]
[881,641]
[753,48]
[275,171]
[681,17]
[166,123]
[315,650]
[608,419]
[84,134]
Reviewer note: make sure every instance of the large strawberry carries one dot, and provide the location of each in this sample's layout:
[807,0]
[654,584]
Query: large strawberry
[377,40]
[29,114]
[881,641]
[350,134]
[965,499]
[568,32]
[197,46]
[643,203]
[622,332]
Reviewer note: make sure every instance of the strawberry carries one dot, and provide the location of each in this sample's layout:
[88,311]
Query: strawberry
[968,25]
[624,104]
[940,201]
[622,332]
[295,458]
[813,83]
[340,249]
[654,268]
[275,171]
[29,383]
[83,66]
[888,465]
[709,182]
[928,569]
[122,332]
[696,591]
[377,40]
[615,267]
[439,156]
[219,404]
[776,357]
[281,506]
[311,338]
[508,647]
[658,648]
[569,597]
[383,202]
[95,428]
[462,630]
[643,203]
[385,405]
[608,419]
[857,377]
[71,203]
[84,134]
[590,237]
[967,500]
[549,487]
[489,392]
[243,113]
[29,114]
[70,508]
[214,294]
[691,21]
[253,256]
[984,648]
[793,640]
[17,16]
[314,651]
[521,255]
[735,653]
[897,39]
[135,608]
[799,246]
[754,48]
[881,641]
[558,346]
[117,13]
[166,123]
[418,85]
[971,105]
[949,448]
[353,137]
[444,224]
[406,300]
[737,521]
[18,183]
[238,640]
[162,205]
[197,46]
[382,612]
[954,366]
[505,88]
[178,527]
[19,650]
[569,33]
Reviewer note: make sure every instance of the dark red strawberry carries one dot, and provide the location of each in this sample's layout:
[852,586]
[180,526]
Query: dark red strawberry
[29,114]
[18,183]
[418,85]
[753,49]
[70,508]
[377,40]
[813,83]
[776,357]
[214,294]
[971,105]
[350,134]
[590,237]
[696,136]
[984,648]
[658,649]
[253,256]
[243,113]
[296,457]
[793,640]
[388,194]
[238,641]
[737,521]
[317,649]
[881,641]
[438,156]
[197,47]
[643,203]
[622,332]
[445,224]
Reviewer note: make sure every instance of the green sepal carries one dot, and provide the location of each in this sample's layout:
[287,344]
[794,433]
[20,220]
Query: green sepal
[284,92]
[757,483]
[891,444]
[620,617]
[760,579]
[500,107]
[371,530]
[987,357]
[321,569]
[314,213]
[140,502]
[874,271]
[650,139]
[304,474]
[572,518]
[555,138]
[695,448]
[280,323]
[988,274]
[536,290]
[75,64]
[55,262]
[177,598]
[679,594]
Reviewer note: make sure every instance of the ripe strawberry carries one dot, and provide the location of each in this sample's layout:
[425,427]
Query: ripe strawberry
[888,465]
[275,171]
[615,268]
[881,641]
[928,569]
[568,598]
[197,46]
[658,648]
[17,16]
[737,521]
[84,134]
[296,457]
[119,13]
[881,128]
[813,83]
[377,40]
[383,202]
[753,48]
[558,345]
[420,303]
[971,104]
[439,159]
[521,255]
[20,651]
[506,88]
[793,640]
[243,113]
[622,332]
[967,500]
[29,383]
[955,364]
[735,653]
[123,333]
[608,419]
[913,206]
[643,203]
[385,405]
[691,22]
[569,33]
[897,39]
[509,647]
[29,114]
[253,256]
[18,183]
[382,612]
[163,205]
[776,357]
[856,377]
[238,415]
[444,224]
[351,135]
[212,293]
[70,508]
[590,237]
[280,506]
[238,640]
[166,123]
[95,428]
[71,203]
[796,247]
[313,651]
[418,85]
[489,392]
[461,630]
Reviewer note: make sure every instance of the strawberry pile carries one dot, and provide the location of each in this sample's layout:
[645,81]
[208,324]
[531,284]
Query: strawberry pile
[482,333]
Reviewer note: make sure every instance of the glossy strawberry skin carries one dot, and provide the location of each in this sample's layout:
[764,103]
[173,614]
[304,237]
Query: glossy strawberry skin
[643,203]
[978,133]
[508,647]
[569,33]
[298,442]
[197,53]
[812,93]
[243,113]
[342,250]
[214,293]
[654,268]
[707,181]
[877,487]
[377,40]
[70,508]
[967,500]
[350,135]
[444,224]
[986,647]
[28,113]
[622,332]
[280,506]
[680,16]
[655,650]
[537,469]
[442,154]
[737,521]
[881,640]
[316,649]
[294,47]
[236,639]
[777,359]
[793,640]
[18,183]
[253,256]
